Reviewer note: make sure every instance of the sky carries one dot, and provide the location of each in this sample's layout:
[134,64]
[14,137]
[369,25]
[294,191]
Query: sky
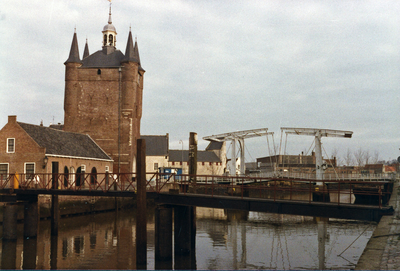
[221,66]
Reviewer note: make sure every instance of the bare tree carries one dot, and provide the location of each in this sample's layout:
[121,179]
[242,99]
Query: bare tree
[335,154]
[348,158]
[367,157]
[375,157]
[359,155]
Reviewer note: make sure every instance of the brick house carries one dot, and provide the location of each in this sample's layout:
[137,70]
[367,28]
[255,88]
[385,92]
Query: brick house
[34,149]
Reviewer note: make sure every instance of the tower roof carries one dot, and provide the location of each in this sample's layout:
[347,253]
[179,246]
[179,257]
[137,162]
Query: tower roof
[100,59]
[74,52]
[86,51]
[132,52]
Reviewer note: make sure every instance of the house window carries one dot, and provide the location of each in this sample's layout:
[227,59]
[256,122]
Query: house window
[202,163]
[173,163]
[10,145]
[29,170]
[155,166]
[3,171]
[210,163]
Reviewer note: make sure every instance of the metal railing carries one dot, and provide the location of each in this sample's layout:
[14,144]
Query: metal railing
[327,176]
[294,189]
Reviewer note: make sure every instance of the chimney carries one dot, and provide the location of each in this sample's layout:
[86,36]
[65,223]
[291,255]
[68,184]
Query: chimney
[12,119]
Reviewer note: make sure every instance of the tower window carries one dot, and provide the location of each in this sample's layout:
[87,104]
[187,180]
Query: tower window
[98,71]
[105,40]
[110,39]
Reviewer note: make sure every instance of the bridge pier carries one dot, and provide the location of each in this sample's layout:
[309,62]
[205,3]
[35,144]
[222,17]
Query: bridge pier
[9,254]
[31,218]
[185,237]
[183,229]
[10,221]
[30,252]
[163,237]
[55,215]
[141,206]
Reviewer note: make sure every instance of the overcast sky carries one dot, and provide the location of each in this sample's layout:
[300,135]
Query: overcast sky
[221,66]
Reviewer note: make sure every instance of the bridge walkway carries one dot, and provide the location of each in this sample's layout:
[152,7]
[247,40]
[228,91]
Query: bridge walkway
[284,196]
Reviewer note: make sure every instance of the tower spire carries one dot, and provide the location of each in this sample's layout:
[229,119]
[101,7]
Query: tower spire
[86,51]
[109,15]
[74,52]
[109,35]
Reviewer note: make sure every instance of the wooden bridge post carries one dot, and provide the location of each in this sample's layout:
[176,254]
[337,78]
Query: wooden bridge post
[30,253]
[141,206]
[10,221]
[163,237]
[193,156]
[9,254]
[55,215]
[9,243]
[184,237]
[31,217]
[184,229]
[55,210]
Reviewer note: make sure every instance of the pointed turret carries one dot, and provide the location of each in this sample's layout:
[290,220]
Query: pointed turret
[86,51]
[130,55]
[74,52]
[132,52]
[137,55]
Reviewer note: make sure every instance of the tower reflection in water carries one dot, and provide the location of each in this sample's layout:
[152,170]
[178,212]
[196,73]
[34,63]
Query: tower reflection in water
[224,240]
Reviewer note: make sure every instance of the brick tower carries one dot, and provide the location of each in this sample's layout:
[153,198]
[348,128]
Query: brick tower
[103,96]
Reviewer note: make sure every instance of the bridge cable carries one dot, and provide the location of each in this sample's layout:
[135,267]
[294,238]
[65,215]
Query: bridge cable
[312,146]
[330,162]
[355,239]
[269,151]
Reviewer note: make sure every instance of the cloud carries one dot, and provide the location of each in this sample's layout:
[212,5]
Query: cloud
[219,66]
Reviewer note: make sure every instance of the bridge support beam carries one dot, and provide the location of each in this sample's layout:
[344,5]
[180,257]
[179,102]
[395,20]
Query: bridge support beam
[55,215]
[163,237]
[10,221]
[30,252]
[184,237]
[141,206]
[9,254]
[31,218]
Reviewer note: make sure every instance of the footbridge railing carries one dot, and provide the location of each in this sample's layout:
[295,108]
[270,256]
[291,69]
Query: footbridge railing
[294,189]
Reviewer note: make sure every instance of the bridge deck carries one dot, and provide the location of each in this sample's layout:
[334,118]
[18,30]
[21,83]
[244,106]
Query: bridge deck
[293,207]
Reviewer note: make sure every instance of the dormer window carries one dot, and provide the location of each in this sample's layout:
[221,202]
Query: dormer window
[10,145]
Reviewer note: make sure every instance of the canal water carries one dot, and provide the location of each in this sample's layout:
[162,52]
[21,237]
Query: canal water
[224,240]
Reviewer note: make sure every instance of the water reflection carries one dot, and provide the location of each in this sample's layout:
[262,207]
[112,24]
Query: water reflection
[224,240]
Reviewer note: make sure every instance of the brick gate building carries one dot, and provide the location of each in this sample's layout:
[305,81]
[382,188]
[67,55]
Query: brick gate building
[103,96]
